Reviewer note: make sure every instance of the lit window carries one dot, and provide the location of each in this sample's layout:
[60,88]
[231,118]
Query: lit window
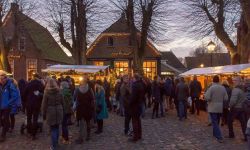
[110,41]
[150,69]
[22,43]
[121,67]
[31,67]
[98,63]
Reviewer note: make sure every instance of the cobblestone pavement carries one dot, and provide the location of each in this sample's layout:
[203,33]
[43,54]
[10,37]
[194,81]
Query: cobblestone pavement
[166,133]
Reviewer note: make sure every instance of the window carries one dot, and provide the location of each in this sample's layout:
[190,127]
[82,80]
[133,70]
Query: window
[121,67]
[110,41]
[150,69]
[22,43]
[31,65]
[98,63]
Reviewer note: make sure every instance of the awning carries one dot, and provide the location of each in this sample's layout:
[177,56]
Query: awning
[76,68]
[229,69]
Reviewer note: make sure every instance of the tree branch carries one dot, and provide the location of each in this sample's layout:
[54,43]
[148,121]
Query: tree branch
[62,39]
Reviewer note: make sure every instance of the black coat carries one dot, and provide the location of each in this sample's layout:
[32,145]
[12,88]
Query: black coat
[137,98]
[33,102]
[22,86]
[85,104]
[195,88]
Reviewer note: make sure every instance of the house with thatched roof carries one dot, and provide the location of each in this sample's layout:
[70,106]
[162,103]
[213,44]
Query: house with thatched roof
[32,47]
[113,47]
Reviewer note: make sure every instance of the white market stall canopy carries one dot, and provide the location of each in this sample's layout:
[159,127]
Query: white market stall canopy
[230,69]
[76,68]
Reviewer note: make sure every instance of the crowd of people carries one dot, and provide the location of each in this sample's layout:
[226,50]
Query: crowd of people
[59,102]
[225,103]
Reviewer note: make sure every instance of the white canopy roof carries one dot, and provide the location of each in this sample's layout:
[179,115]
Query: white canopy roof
[77,68]
[230,69]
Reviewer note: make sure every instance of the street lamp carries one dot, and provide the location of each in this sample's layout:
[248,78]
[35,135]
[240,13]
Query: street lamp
[211,46]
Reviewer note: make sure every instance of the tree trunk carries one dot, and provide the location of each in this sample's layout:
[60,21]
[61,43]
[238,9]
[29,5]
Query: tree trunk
[133,35]
[244,32]
[243,41]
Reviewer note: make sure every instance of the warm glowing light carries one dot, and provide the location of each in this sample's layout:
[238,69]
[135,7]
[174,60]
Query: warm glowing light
[80,78]
[121,69]
[202,65]
[211,46]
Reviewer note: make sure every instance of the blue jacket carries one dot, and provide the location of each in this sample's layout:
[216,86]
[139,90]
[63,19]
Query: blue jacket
[9,95]
[100,102]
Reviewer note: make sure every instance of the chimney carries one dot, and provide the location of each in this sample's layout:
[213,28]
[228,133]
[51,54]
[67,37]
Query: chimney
[14,7]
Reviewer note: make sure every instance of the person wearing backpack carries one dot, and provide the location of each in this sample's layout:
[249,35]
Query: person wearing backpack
[68,102]
[9,95]
[236,108]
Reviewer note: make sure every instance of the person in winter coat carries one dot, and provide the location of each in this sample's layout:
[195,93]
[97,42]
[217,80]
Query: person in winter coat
[226,103]
[9,95]
[21,86]
[148,92]
[137,98]
[101,106]
[68,102]
[33,96]
[118,96]
[125,96]
[156,96]
[15,108]
[215,95]
[85,107]
[52,110]
[246,104]
[195,92]
[248,134]
[173,95]
[168,89]
[106,86]
[182,93]
[236,110]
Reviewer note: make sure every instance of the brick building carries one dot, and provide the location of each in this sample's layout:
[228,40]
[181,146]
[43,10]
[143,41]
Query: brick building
[113,47]
[32,46]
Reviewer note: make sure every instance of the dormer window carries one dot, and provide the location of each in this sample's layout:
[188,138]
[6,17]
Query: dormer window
[110,41]
[22,44]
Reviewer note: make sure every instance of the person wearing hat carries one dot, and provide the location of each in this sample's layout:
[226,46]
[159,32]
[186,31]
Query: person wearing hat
[33,96]
[9,96]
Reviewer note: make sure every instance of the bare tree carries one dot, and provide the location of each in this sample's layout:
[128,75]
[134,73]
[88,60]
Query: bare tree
[148,18]
[207,17]
[74,21]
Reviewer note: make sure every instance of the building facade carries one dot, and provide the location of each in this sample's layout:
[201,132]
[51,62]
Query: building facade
[32,46]
[113,47]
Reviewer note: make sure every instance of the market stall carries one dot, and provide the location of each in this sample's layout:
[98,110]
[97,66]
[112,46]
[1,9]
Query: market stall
[77,71]
[205,75]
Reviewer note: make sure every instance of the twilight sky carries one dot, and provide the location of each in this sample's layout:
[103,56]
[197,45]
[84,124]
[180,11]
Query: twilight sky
[181,44]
